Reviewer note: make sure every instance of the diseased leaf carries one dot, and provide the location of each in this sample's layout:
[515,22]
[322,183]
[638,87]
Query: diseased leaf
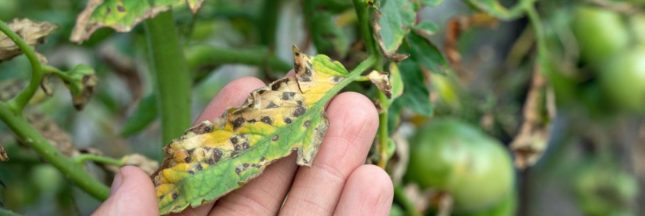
[496,9]
[416,95]
[214,158]
[80,81]
[33,33]
[392,23]
[382,82]
[122,15]
[426,28]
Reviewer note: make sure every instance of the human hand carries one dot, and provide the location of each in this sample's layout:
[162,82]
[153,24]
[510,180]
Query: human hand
[337,183]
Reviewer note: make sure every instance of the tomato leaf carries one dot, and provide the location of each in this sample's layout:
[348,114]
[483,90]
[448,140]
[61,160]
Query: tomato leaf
[33,33]
[214,158]
[393,22]
[426,53]
[496,9]
[122,15]
[416,95]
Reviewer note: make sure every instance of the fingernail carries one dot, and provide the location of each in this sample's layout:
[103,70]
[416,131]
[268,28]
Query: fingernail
[116,183]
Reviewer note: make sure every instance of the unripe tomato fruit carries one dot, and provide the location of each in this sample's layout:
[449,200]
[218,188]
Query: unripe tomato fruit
[623,79]
[599,33]
[452,156]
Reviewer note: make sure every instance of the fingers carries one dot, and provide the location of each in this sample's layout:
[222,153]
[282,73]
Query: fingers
[261,196]
[132,194]
[316,190]
[368,191]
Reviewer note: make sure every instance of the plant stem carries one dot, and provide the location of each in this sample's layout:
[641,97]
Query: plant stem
[267,23]
[30,136]
[205,54]
[402,199]
[536,23]
[363,15]
[99,159]
[383,133]
[18,103]
[173,80]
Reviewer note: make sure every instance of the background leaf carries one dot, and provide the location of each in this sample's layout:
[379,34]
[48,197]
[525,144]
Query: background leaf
[393,23]
[416,95]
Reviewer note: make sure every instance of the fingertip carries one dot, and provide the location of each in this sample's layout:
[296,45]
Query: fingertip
[368,191]
[134,195]
[356,108]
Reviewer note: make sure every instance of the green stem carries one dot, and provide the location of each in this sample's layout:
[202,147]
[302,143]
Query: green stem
[99,159]
[173,80]
[402,199]
[210,55]
[267,23]
[383,133]
[30,136]
[536,23]
[363,15]
[20,101]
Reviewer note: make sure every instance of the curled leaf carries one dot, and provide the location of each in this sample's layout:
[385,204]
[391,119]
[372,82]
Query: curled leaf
[382,82]
[539,109]
[214,158]
[33,33]
[80,81]
[122,15]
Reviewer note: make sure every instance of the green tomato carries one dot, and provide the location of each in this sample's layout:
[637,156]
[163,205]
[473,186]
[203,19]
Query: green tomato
[623,79]
[47,178]
[453,156]
[600,33]
[602,189]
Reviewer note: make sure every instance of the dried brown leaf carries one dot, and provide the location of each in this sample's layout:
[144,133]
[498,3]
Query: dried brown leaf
[33,33]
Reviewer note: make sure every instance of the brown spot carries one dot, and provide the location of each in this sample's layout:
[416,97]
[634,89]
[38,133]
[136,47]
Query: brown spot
[190,151]
[275,138]
[297,53]
[272,105]
[308,71]
[234,140]
[287,120]
[277,84]
[188,159]
[199,167]
[120,8]
[238,122]
[175,195]
[299,111]
[245,165]
[238,170]
[263,158]
[288,95]
[252,121]
[191,172]
[216,156]
[245,145]
[262,91]
[307,123]
[267,120]
[337,78]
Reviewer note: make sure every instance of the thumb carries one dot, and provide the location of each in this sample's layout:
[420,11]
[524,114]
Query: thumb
[132,193]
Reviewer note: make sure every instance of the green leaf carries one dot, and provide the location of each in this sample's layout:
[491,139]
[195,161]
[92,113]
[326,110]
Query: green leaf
[393,22]
[214,158]
[426,53]
[426,28]
[80,81]
[122,15]
[144,115]
[431,3]
[496,9]
[396,82]
[416,95]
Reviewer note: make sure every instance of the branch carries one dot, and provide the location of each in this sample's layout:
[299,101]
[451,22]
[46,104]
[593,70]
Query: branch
[173,80]
[30,136]
[18,103]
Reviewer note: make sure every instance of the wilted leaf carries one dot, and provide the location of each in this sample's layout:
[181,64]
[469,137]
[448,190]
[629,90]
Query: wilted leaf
[382,82]
[52,132]
[426,53]
[146,164]
[275,120]
[392,23]
[416,95]
[539,109]
[145,114]
[496,9]
[122,15]
[33,33]
[80,81]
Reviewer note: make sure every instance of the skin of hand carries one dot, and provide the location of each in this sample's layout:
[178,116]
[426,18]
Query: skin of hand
[338,182]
